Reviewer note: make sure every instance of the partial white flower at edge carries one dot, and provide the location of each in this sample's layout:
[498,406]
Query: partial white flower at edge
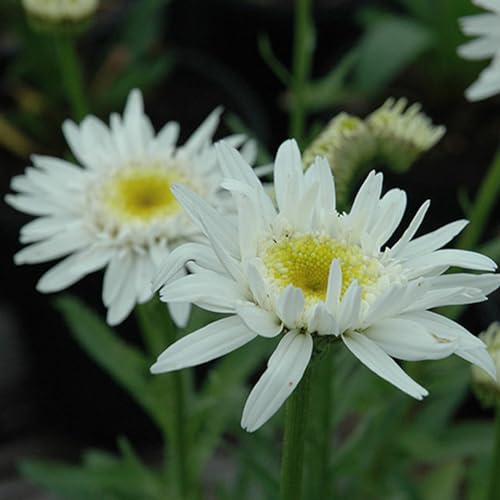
[303,270]
[115,209]
[486,27]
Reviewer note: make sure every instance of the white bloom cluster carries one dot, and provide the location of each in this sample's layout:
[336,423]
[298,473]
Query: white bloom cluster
[302,270]
[486,27]
[61,10]
[115,209]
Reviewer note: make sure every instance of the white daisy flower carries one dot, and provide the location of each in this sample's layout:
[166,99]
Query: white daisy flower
[61,10]
[486,27]
[115,209]
[304,271]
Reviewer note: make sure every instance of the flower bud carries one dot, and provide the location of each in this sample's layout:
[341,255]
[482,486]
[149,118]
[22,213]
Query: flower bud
[348,145]
[488,390]
[59,15]
[402,135]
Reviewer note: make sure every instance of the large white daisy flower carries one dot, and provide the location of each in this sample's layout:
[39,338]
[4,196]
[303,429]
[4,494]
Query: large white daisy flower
[116,209]
[487,28]
[304,271]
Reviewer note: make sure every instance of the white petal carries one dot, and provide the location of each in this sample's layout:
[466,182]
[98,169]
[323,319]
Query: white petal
[481,358]
[288,175]
[180,312]
[322,321]
[116,272]
[265,323]
[348,313]
[374,357]
[53,248]
[290,305]
[202,136]
[216,227]
[449,257]
[432,241]
[285,370]
[334,287]
[209,290]
[73,268]
[207,343]
[123,303]
[405,339]
[409,233]
[177,259]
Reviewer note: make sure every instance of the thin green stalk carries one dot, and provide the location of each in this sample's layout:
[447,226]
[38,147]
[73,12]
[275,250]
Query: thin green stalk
[303,49]
[158,332]
[482,207]
[293,446]
[71,75]
[494,489]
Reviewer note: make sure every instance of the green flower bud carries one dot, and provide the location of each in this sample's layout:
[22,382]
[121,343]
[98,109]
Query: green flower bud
[402,135]
[488,390]
[348,145]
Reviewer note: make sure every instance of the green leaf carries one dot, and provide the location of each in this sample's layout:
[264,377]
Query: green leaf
[101,476]
[388,47]
[220,401]
[443,483]
[124,363]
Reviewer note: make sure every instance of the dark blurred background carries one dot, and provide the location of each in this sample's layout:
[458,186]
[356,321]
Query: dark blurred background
[196,55]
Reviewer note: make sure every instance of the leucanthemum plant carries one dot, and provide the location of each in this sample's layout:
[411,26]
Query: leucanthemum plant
[304,272]
[115,210]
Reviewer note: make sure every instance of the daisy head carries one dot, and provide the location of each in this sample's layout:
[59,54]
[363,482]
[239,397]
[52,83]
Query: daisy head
[301,271]
[114,209]
[486,27]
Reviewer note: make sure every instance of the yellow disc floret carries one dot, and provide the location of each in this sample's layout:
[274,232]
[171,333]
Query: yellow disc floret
[304,261]
[141,194]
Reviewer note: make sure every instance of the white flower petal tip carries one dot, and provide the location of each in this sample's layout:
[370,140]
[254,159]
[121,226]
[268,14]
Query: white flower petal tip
[114,209]
[284,372]
[262,322]
[377,360]
[203,345]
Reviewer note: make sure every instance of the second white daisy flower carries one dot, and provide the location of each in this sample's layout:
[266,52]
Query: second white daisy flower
[116,209]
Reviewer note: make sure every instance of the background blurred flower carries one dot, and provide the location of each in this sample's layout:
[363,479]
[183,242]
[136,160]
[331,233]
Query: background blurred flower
[307,271]
[402,133]
[487,28]
[488,390]
[116,210]
[61,10]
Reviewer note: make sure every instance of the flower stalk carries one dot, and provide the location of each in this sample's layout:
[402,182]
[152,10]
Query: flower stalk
[294,440]
[494,489]
[71,75]
[158,330]
[482,206]
[303,49]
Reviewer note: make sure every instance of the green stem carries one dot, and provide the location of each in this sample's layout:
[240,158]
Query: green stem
[494,490]
[293,446]
[483,205]
[71,75]
[303,49]
[320,480]
[159,331]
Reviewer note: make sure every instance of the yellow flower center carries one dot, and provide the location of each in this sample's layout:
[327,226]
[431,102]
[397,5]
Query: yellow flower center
[304,261]
[141,193]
